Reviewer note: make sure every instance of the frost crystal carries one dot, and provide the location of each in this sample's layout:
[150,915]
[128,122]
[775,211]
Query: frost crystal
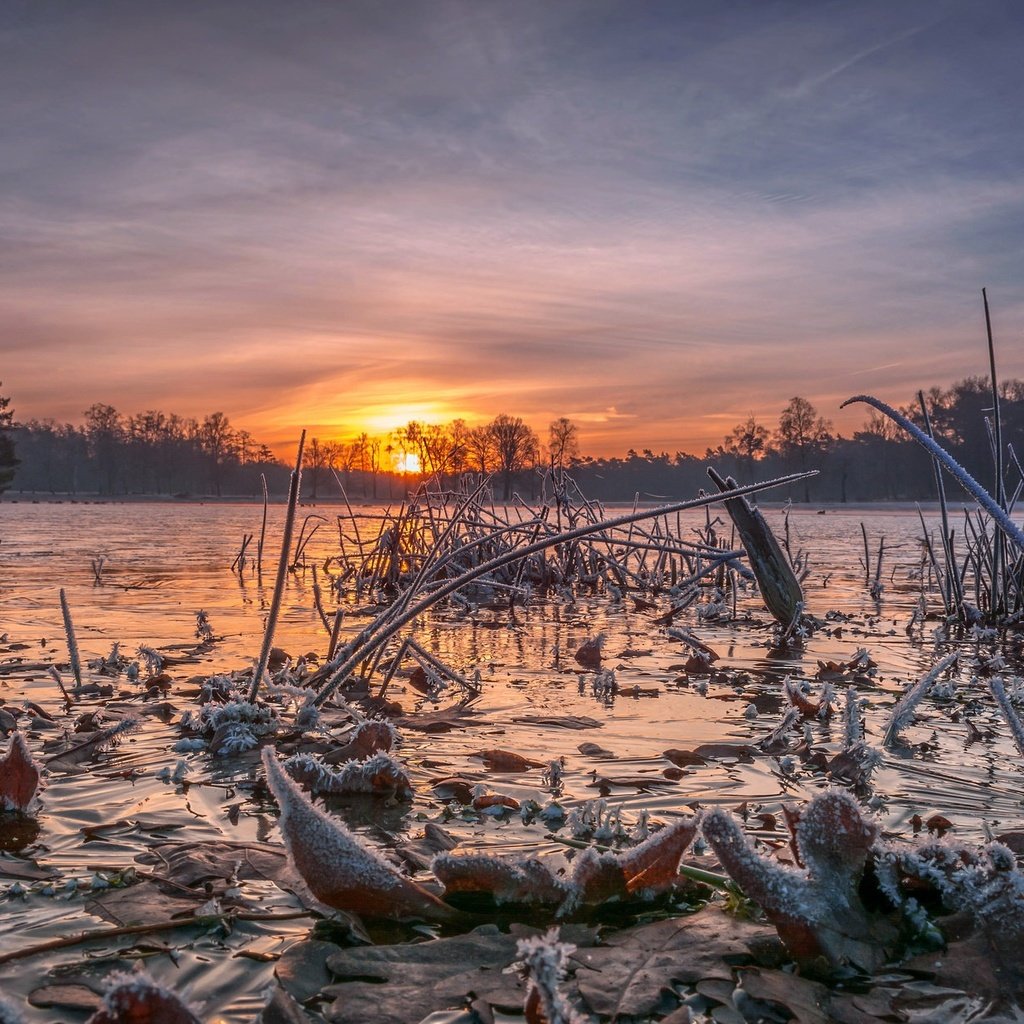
[379,774]
[647,869]
[903,713]
[815,909]
[234,727]
[543,959]
[1008,710]
[984,882]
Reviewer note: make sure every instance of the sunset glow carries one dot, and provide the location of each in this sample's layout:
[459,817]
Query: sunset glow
[407,462]
[653,220]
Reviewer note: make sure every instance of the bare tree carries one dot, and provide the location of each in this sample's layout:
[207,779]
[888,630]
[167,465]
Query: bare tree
[316,464]
[747,442]
[802,433]
[480,449]
[217,440]
[515,447]
[8,460]
[563,442]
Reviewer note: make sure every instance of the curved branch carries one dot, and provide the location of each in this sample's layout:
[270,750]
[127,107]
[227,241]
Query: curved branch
[987,502]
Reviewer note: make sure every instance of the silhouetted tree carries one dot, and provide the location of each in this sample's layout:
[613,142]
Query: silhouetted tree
[747,442]
[515,447]
[563,442]
[802,434]
[104,429]
[8,460]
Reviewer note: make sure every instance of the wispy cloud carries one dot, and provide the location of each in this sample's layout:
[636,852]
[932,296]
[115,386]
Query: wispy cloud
[650,219]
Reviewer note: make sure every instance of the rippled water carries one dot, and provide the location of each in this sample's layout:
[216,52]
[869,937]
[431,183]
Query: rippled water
[164,562]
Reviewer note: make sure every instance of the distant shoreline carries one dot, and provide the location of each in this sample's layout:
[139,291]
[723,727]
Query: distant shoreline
[813,508]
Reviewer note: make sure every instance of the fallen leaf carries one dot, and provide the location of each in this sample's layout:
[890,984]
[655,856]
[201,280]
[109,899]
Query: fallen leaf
[340,869]
[143,903]
[65,997]
[588,654]
[506,761]
[403,984]
[19,776]
[628,976]
[302,969]
[816,910]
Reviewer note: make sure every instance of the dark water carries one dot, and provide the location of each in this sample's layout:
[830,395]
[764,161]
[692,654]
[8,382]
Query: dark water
[162,563]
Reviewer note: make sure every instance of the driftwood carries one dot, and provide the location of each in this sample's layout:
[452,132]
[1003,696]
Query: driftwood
[780,589]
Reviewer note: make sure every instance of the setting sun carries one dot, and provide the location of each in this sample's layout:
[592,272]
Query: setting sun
[407,462]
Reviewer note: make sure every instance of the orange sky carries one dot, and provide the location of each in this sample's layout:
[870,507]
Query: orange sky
[652,219]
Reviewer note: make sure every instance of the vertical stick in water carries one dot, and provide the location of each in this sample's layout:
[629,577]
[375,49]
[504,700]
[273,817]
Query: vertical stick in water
[282,572]
[263,528]
[69,629]
[996,593]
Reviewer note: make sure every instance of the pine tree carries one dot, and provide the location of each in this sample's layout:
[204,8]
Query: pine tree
[8,461]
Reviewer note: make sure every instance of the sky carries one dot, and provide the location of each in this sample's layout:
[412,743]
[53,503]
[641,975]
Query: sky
[655,218]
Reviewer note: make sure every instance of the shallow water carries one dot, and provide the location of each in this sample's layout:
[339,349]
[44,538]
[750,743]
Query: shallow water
[164,562]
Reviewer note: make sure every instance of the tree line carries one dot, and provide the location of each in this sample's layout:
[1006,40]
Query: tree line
[157,453]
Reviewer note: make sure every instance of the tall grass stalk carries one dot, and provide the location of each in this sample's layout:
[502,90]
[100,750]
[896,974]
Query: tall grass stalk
[69,632]
[998,593]
[263,527]
[1009,711]
[282,572]
[903,712]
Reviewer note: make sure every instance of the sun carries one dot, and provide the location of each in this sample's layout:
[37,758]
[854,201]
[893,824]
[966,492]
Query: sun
[407,462]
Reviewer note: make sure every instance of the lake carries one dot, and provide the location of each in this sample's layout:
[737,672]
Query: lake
[162,563]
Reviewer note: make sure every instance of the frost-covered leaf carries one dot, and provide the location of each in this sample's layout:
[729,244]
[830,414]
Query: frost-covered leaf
[508,880]
[134,998]
[19,776]
[369,738]
[340,869]
[646,869]
[985,884]
[816,909]
[379,775]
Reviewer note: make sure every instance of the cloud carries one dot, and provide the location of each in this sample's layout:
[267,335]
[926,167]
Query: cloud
[682,214]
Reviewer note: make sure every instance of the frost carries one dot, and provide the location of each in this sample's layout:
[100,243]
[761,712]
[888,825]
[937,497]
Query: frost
[1008,710]
[507,880]
[983,882]
[543,959]
[597,877]
[133,997]
[235,726]
[339,868]
[816,909]
[153,659]
[903,713]
[853,725]
[379,774]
